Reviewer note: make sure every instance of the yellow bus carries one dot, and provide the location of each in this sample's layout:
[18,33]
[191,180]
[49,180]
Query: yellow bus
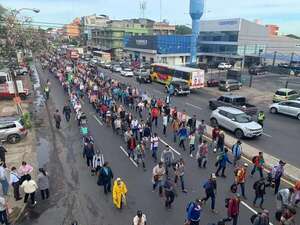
[164,73]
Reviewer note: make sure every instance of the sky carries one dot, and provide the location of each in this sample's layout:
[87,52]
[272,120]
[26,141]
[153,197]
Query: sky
[284,13]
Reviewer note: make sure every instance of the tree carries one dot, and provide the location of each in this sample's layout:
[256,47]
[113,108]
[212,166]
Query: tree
[183,30]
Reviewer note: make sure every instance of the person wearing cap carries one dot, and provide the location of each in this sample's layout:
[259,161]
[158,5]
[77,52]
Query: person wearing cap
[277,172]
[236,152]
[262,218]
[210,187]
[119,193]
[240,177]
[158,173]
[140,218]
[167,157]
[194,210]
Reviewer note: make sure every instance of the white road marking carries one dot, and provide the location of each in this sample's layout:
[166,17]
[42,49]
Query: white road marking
[267,135]
[178,153]
[95,117]
[123,150]
[197,107]
[251,209]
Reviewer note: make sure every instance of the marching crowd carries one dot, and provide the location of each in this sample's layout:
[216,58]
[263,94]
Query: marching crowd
[136,117]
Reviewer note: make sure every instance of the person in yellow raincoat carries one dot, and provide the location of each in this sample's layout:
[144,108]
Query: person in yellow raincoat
[119,193]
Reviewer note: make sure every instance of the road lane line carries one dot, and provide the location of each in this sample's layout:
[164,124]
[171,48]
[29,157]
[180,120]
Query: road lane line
[95,117]
[178,153]
[194,106]
[123,150]
[267,135]
[249,161]
[251,209]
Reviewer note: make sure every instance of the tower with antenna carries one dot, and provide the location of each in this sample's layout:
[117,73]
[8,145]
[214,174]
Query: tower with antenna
[196,12]
[143,6]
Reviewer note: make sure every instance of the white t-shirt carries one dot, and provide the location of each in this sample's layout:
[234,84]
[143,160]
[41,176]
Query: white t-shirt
[165,120]
[142,220]
[154,141]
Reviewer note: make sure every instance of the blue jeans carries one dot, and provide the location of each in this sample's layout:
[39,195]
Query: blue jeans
[5,186]
[213,199]
[154,153]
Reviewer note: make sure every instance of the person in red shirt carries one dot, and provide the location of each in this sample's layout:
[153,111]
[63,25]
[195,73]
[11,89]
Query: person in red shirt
[215,135]
[154,115]
[233,209]
[131,144]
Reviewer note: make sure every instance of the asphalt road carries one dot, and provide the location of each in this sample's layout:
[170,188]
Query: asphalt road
[75,195]
[281,133]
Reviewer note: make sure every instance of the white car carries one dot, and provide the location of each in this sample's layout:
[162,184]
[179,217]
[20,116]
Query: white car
[224,66]
[290,107]
[117,69]
[236,121]
[127,72]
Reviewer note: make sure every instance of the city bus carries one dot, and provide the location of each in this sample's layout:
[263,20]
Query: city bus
[163,73]
[102,56]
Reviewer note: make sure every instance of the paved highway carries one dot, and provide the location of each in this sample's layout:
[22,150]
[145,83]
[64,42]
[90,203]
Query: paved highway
[75,194]
[281,133]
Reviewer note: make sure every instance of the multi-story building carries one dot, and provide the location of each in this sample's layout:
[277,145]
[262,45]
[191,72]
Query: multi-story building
[72,30]
[229,39]
[88,23]
[273,29]
[110,38]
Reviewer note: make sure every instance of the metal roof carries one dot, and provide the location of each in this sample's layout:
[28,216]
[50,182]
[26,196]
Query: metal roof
[180,68]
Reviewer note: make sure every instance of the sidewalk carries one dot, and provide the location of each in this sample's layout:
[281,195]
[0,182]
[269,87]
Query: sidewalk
[16,153]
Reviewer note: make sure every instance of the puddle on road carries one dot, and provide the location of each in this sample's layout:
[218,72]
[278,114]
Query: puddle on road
[43,149]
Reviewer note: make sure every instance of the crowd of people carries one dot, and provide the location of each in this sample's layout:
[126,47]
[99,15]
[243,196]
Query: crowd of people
[135,116]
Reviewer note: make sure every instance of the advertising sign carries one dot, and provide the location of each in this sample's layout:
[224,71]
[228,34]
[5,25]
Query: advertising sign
[197,79]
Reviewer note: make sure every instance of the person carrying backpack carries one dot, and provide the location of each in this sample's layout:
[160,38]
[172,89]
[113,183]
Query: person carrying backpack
[240,177]
[260,190]
[277,172]
[193,210]
[261,218]
[258,164]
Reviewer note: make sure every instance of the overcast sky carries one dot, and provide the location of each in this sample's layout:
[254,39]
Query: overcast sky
[285,13]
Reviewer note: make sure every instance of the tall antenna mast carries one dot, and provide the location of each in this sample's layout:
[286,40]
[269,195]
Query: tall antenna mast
[143,6]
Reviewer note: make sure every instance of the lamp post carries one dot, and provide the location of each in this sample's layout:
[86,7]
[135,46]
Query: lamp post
[11,44]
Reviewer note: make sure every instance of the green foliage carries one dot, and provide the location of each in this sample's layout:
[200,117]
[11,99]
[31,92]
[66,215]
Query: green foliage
[27,120]
[183,30]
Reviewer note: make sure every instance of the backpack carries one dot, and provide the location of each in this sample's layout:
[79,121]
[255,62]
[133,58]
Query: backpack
[227,202]
[255,185]
[189,206]
[254,159]
[253,217]
[233,188]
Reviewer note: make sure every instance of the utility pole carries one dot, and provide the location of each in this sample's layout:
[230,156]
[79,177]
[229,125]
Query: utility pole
[292,58]
[274,58]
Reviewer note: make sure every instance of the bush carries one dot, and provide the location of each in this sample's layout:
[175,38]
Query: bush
[27,120]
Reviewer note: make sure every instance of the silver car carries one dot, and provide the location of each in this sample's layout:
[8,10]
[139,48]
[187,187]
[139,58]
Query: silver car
[236,121]
[290,107]
[12,129]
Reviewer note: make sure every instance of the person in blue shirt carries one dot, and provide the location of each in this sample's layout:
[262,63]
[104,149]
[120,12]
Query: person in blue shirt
[222,162]
[210,187]
[183,134]
[194,210]
[236,152]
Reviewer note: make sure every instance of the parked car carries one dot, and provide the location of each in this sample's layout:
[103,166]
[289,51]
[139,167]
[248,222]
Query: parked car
[21,71]
[212,83]
[257,70]
[229,85]
[290,107]
[284,65]
[283,94]
[116,68]
[236,121]
[224,66]
[144,78]
[235,101]
[178,87]
[127,72]
[12,129]
[107,65]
